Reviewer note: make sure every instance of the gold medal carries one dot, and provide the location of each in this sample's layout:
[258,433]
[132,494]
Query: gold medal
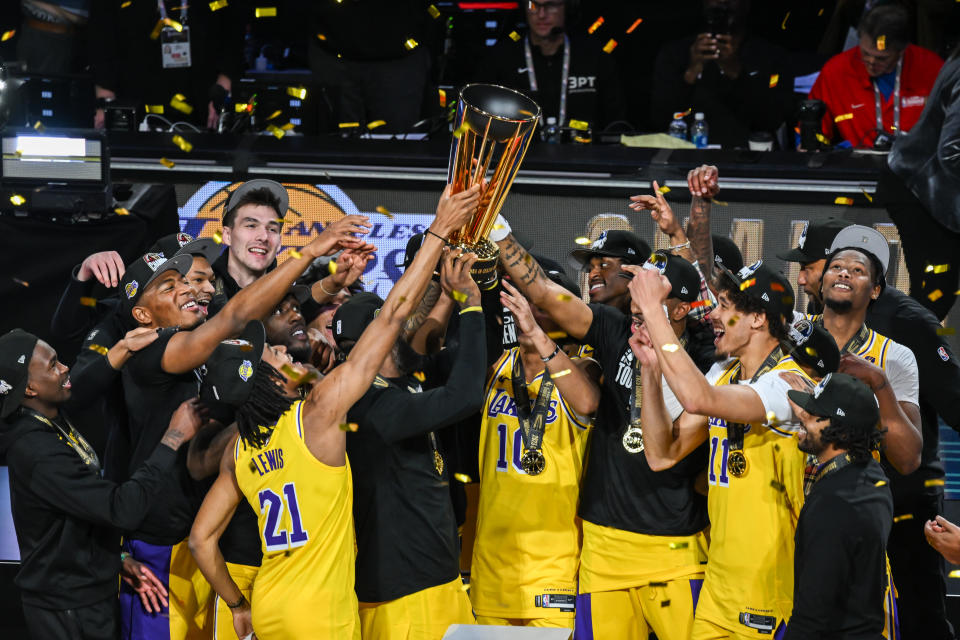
[737,463]
[438,462]
[533,462]
[633,439]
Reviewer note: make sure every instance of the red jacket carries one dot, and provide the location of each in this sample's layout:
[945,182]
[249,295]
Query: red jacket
[845,88]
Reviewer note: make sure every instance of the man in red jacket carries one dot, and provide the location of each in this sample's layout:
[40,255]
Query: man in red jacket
[878,88]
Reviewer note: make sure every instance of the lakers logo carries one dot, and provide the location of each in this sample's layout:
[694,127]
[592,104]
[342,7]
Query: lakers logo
[246,370]
[131,289]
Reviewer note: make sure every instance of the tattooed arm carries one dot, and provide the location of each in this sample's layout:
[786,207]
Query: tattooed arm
[571,313]
[427,327]
[703,184]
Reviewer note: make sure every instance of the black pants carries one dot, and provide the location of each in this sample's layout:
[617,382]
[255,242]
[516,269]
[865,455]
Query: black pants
[925,243]
[918,570]
[93,622]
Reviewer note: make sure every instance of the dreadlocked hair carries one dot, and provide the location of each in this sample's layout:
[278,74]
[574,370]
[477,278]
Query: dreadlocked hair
[858,443]
[258,415]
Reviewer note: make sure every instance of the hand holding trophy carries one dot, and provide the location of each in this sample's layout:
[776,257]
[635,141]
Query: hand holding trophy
[492,131]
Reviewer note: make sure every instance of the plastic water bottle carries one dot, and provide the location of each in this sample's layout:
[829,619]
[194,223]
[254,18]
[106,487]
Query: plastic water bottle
[552,133]
[678,128]
[700,131]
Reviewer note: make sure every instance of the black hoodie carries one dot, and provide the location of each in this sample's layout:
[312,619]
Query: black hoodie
[67,517]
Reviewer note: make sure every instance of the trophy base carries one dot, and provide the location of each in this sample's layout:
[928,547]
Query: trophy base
[484,271]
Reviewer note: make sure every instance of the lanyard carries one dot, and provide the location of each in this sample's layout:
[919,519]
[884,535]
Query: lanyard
[736,431]
[837,463]
[70,436]
[564,77]
[161,6]
[856,342]
[533,421]
[878,103]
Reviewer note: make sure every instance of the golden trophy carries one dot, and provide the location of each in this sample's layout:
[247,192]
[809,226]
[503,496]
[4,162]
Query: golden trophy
[492,131]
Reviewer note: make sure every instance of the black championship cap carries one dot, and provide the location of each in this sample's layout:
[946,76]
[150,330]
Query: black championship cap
[614,243]
[16,350]
[147,268]
[843,399]
[727,253]
[765,285]
[354,316]
[277,189]
[555,273]
[815,240]
[185,244]
[811,345]
[682,275]
[230,370]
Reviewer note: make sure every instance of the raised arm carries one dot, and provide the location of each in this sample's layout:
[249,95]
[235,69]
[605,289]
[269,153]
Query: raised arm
[570,312]
[704,185]
[189,349]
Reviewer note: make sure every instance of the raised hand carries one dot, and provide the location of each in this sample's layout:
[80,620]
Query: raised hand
[648,288]
[704,181]
[454,211]
[519,306]
[351,265]
[455,278]
[141,579]
[185,423]
[642,347]
[660,211]
[340,234]
[106,266]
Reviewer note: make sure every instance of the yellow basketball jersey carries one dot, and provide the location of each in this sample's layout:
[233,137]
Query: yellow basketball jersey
[304,588]
[749,577]
[528,534]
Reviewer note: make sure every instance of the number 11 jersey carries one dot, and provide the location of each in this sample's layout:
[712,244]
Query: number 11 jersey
[305,586]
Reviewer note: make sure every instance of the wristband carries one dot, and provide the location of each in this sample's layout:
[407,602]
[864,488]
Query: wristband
[430,231]
[501,229]
[552,355]
[238,603]
[677,247]
[475,307]
[324,289]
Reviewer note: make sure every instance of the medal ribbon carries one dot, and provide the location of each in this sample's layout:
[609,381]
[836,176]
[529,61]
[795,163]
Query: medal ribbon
[564,77]
[736,430]
[70,436]
[837,463]
[855,343]
[533,422]
[636,399]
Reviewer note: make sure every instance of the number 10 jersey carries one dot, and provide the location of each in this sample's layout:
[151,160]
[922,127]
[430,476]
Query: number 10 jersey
[304,588]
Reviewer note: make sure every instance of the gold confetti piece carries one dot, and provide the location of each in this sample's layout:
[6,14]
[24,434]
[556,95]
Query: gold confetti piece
[183,143]
[748,283]
[557,335]
[157,28]
[881,43]
[332,267]
[560,374]
[348,125]
[946,331]
[820,13]
[700,303]
[88,302]
[126,4]
[349,426]
[564,297]
[843,200]
[636,23]
[420,375]
[783,25]
[295,254]
[443,97]
[180,105]
[582,240]
[579,125]
[459,296]
[867,195]
[843,116]
[906,516]
[384,211]
[774,79]
[411,44]
[679,545]
[320,36]
[720,202]
[17,199]
[433,11]
[288,127]
[935,295]
[462,477]
[120,211]
[7,35]
[461,130]
[216,5]
[664,189]
[596,25]
[22,283]
[771,417]
[934,482]
[937,268]
[880,483]
[99,348]
[297,92]
[265,12]
[276,131]
[671,347]
[514,36]
[376,123]
[38,126]
[954,574]
[732,321]
[581,140]
[218,237]
[810,351]
[274,114]
[610,46]
[167,163]
[787,300]
[173,24]
[153,108]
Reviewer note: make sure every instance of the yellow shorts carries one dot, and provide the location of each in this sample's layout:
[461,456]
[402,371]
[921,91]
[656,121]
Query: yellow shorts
[424,615]
[243,575]
[550,623]
[665,608]
[705,630]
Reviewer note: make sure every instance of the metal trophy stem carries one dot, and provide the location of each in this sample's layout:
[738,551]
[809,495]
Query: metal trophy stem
[492,131]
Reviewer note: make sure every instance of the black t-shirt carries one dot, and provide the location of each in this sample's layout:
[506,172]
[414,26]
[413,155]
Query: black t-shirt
[152,395]
[593,95]
[619,488]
